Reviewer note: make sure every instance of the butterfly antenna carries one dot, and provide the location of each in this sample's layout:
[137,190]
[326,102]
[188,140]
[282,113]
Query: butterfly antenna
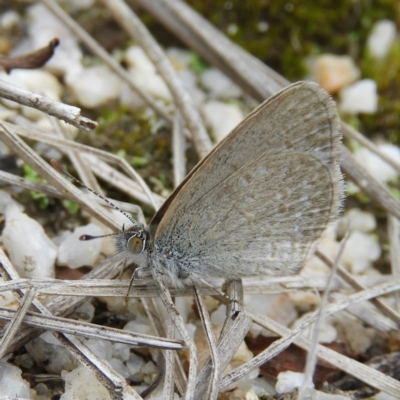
[62,171]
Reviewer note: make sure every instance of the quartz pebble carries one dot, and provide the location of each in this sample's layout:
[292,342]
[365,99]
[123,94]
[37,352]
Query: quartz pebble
[219,85]
[221,118]
[75,253]
[145,75]
[361,97]
[360,252]
[6,200]
[356,220]
[50,354]
[381,38]
[11,382]
[288,381]
[45,26]
[81,384]
[36,257]
[327,332]
[95,86]
[335,72]
[374,164]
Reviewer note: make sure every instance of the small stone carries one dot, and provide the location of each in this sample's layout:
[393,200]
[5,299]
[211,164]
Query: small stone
[101,348]
[145,75]
[315,267]
[180,59]
[219,315]
[353,332]
[43,27]
[221,118]
[6,297]
[219,85]
[134,364]
[361,97]
[381,38]
[6,200]
[356,220]
[32,254]
[121,351]
[85,312]
[335,72]
[11,382]
[75,253]
[49,354]
[360,252]
[9,20]
[327,332]
[81,384]
[279,307]
[374,164]
[289,381]
[184,306]
[95,86]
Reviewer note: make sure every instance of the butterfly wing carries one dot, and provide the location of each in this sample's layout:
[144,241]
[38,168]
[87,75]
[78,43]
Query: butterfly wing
[259,201]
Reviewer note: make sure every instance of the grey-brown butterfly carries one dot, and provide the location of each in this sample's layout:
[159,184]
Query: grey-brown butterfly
[257,203]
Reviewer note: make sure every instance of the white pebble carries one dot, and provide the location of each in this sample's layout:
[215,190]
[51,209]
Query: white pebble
[353,332]
[37,81]
[75,253]
[81,384]
[374,164]
[360,252]
[121,351]
[219,315]
[179,58]
[221,118]
[219,85]
[289,381]
[11,382]
[48,353]
[381,38]
[279,307]
[95,86]
[145,75]
[134,364]
[6,200]
[45,26]
[9,20]
[85,312]
[184,306]
[335,72]
[356,220]
[361,97]
[327,332]
[6,297]
[101,348]
[314,267]
[32,253]
[118,366]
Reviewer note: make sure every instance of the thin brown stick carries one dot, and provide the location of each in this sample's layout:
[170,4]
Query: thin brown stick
[32,60]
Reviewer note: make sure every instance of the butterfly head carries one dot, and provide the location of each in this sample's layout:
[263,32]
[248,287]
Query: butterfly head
[133,239]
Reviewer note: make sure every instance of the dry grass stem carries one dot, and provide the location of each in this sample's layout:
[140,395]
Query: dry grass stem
[67,113]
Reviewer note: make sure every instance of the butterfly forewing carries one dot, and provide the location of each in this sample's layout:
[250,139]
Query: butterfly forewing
[258,202]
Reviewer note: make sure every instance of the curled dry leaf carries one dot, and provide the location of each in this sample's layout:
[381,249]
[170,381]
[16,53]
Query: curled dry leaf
[32,60]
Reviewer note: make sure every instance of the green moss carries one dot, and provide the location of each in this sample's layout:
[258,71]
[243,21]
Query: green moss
[140,138]
[386,74]
[296,29]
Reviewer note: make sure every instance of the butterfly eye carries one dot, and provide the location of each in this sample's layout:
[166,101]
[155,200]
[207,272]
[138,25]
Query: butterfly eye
[135,245]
